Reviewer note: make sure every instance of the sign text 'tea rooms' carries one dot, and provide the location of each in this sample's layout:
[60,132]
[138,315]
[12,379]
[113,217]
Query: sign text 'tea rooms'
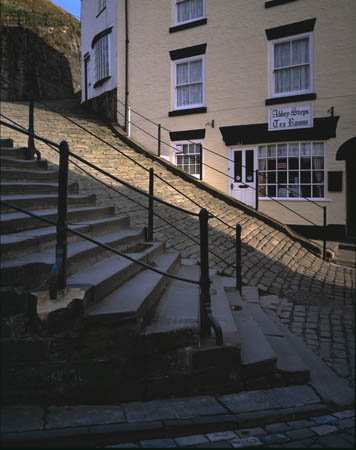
[287,118]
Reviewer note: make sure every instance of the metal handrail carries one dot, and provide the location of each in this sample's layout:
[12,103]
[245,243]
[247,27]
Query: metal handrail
[106,247]
[21,129]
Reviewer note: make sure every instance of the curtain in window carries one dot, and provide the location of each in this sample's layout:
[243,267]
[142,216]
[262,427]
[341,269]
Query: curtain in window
[189,10]
[189,83]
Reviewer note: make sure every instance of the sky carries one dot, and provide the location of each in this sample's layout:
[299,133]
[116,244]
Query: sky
[72,6]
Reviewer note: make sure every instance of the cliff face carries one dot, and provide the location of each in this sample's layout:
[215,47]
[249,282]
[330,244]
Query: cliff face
[44,59]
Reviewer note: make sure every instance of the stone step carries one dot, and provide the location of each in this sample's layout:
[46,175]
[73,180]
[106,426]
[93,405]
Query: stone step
[288,361]
[33,187]
[44,201]
[11,173]
[13,152]
[99,279]
[30,241]
[18,221]
[31,164]
[32,271]
[257,356]
[220,307]
[176,320]
[250,294]
[134,299]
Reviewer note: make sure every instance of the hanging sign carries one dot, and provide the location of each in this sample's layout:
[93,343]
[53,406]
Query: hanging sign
[290,117]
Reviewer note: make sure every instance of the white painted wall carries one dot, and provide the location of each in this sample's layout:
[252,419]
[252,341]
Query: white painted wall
[92,24]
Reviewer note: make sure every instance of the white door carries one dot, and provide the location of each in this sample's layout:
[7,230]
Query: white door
[243,176]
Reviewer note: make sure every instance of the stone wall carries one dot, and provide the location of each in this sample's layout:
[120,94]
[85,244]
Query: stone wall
[47,62]
[104,105]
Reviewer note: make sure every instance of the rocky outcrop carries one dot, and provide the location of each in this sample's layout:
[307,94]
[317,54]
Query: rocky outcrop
[46,62]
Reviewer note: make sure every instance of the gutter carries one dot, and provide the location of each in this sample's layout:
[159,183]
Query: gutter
[126,62]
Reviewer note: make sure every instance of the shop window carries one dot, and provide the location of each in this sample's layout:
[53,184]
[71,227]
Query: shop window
[292,170]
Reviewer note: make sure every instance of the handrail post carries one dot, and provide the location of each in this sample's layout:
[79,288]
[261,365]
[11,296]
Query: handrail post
[257,191]
[31,141]
[59,273]
[238,257]
[159,139]
[205,300]
[201,163]
[129,122]
[150,206]
[324,232]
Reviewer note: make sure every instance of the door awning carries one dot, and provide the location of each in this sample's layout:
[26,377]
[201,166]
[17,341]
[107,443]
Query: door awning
[347,150]
[324,128]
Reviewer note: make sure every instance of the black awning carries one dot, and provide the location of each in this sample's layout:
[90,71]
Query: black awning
[257,133]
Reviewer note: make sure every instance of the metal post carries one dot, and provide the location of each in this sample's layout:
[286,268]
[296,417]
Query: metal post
[238,257]
[205,300]
[129,122]
[257,191]
[159,139]
[58,278]
[324,232]
[201,163]
[150,207]
[31,142]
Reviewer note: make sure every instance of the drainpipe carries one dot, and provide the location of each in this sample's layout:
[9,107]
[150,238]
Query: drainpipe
[126,62]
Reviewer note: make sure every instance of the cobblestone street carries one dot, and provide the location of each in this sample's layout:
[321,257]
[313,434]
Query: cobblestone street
[315,299]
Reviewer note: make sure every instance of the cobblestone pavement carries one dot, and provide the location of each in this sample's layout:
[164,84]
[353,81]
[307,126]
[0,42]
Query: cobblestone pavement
[330,431]
[271,260]
[317,297]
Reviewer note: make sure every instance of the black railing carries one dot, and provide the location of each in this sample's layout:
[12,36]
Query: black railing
[58,272]
[201,163]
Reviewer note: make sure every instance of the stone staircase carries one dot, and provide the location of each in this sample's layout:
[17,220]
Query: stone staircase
[119,330]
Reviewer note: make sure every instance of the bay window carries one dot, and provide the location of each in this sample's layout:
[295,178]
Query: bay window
[292,170]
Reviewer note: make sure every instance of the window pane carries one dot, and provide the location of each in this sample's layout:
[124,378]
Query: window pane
[293,163]
[305,177]
[262,164]
[318,149]
[300,51]
[271,177]
[282,80]
[318,162]
[305,163]
[197,8]
[196,94]
[272,191]
[183,96]
[262,191]
[306,191]
[271,151]
[293,177]
[282,177]
[196,71]
[238,166]
[318,191]
[300,78]
[183,11]
[282,164]
[318,177]
[262,151]
[250,175]
[305,149]
[293,191]
[271,164]
[293,150]
[282,191]
[262,177]
[282,55]
[282,150]
[182,73]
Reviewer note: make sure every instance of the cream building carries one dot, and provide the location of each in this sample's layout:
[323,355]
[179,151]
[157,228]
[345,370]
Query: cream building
[252,89]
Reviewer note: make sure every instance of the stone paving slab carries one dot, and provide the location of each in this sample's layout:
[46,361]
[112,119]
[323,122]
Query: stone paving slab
[173,409]
[285,397]
[73,416]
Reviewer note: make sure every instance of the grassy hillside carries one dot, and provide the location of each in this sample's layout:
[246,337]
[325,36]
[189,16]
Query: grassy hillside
[44,10]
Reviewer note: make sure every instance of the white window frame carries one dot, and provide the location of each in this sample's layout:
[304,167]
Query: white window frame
[176,151]
[175,64]
[293,170]
[175,14]
[311,65]
[98,42]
